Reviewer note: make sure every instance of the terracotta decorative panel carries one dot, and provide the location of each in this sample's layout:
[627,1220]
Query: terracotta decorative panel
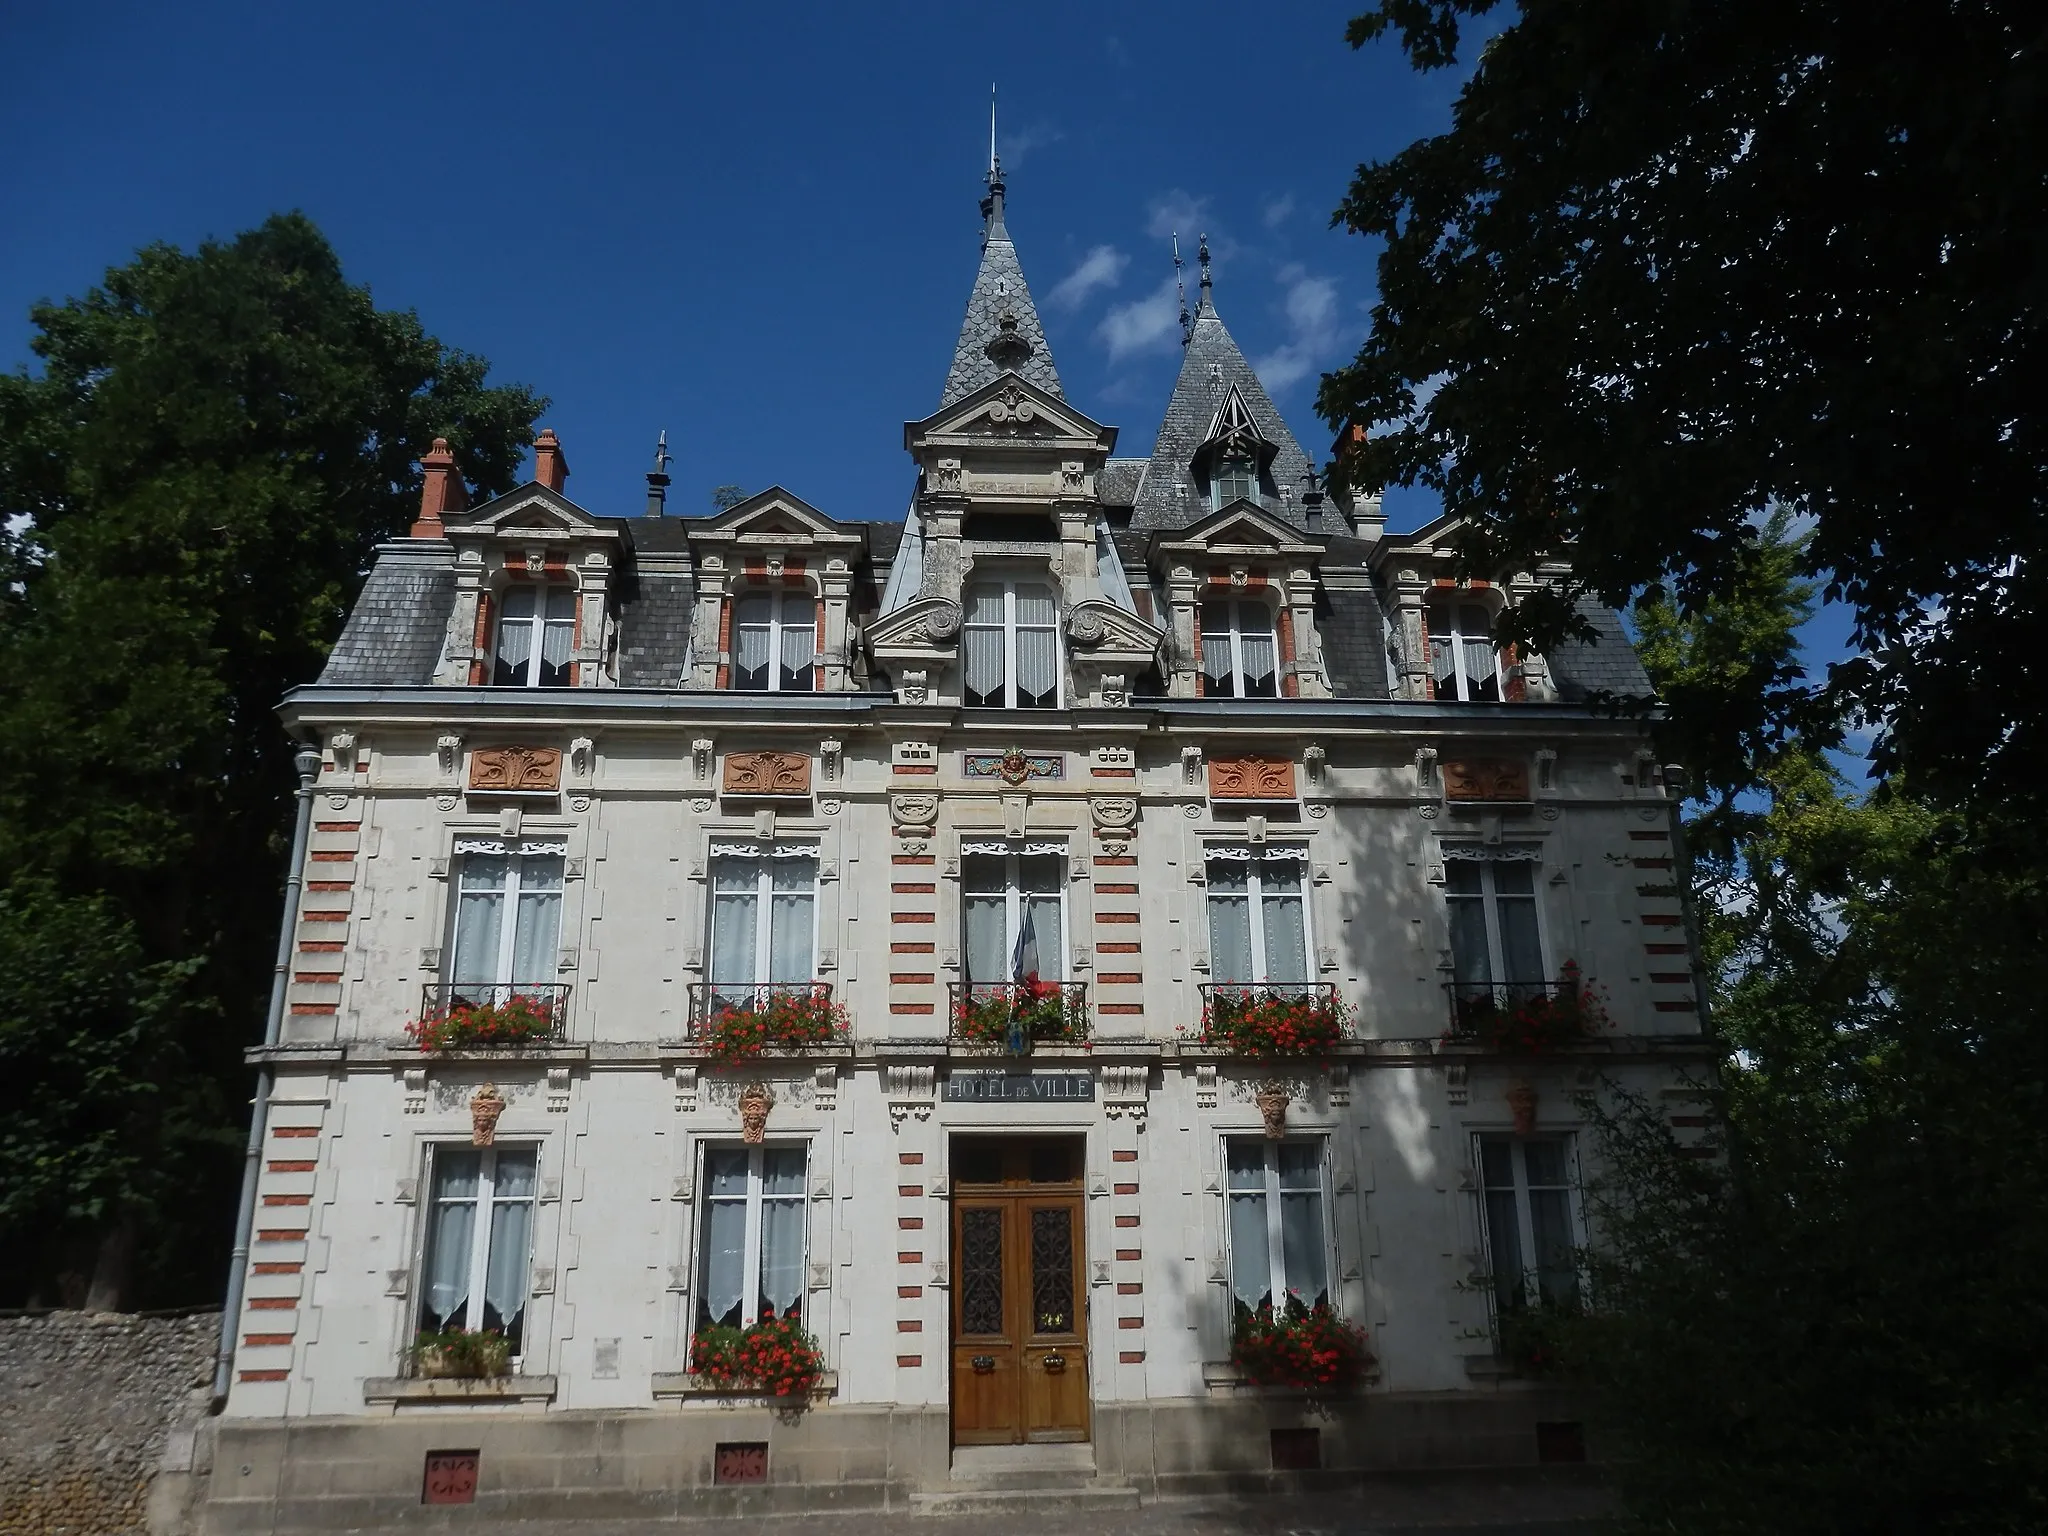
[767,773]
[1486,778]
[450,1477]
[1251,778]
[516,769]
[740,1461]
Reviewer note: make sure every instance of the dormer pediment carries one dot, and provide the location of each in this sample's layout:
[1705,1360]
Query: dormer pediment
[530,512]
[1009,409]
[776,518]
[1244,530]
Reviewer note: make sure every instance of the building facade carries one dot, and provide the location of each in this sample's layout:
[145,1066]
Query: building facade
[1141,744]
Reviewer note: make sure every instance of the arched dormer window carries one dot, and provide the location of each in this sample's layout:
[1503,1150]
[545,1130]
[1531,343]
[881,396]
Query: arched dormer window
[775,642]
[1462,661]
[536,637]
[1240,652]
[1010,645]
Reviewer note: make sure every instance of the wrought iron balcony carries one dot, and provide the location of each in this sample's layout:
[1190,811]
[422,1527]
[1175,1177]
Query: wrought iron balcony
[789,1014]
[1014,1016]
[1522,1016]
[1273,1018]
[483,1014]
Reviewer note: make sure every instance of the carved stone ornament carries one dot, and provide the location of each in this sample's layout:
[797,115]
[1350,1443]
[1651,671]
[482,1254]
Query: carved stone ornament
[484,1108]
[1486,778]
[1014,766]
[1114,814]
[755,1102]
[914,810]
[1522,1106]
[1251,778]
[516,770]
[1086,628]
[1272,1099]
[767,773]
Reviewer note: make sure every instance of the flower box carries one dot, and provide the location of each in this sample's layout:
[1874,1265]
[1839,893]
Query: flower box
[1308,1348]
[1274,1020]
[796,1019]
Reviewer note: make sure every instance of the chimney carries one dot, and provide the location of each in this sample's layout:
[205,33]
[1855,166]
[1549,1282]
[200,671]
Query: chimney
[549,467]
[441,490]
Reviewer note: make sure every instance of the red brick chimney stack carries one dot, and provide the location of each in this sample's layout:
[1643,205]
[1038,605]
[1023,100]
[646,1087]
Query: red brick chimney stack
[441,491]
[549,467]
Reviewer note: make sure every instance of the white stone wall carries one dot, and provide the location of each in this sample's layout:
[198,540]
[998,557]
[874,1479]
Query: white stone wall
[620,1110]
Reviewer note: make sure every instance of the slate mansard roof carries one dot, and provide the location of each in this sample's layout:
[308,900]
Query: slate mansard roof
[399,623]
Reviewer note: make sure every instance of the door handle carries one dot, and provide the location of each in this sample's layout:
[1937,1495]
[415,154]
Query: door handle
[1054,1363]
[983,1364]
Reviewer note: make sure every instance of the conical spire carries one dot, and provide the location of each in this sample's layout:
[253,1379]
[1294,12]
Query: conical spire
[1001,331]
[1214,375]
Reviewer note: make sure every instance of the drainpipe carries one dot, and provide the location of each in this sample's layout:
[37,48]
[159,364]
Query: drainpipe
[308,763]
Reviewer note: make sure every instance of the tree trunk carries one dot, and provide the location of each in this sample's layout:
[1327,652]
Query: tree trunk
[111,1270]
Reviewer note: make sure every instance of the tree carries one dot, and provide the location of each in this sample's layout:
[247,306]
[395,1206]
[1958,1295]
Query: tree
[725,497]
[193,484]
[1674,264]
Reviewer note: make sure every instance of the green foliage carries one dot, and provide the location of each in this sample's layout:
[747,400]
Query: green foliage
[477,1353]
[192,485]
[519,1020]
[796,1019]
[1262,1023]
[1674,265]
[725,497]
[1298,1345]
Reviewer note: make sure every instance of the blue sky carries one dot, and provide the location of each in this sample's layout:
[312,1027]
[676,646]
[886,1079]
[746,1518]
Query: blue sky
[754,226]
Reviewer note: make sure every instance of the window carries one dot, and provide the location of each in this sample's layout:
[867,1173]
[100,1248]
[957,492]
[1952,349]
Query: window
[536,634]
[764,927]
[479,1240]
[1530,1233]
[1279,1242]
[1014,897]
[751,1254]
[1011,648]
[1492,905]
[1240,658]
[775,642]
[1462,659]
[1236,479]
[1258,918]
[508,917]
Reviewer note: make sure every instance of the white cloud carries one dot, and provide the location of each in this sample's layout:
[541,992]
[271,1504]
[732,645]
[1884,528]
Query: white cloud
[1014,146]
[1102,267]
[1310,305]
[1279,211]
[1175,212]
[1143,325]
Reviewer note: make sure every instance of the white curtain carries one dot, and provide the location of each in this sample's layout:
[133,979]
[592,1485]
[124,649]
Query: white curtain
[1255,639]
[794,884]
[752,625]
[1036,605]
[1286,931]
[1303,1253]
[1480,673]
[1230,922]
[1521,954]
[1251,1260]
[450,1229]
[558,636]
[1037,642]
[734,903]
[782,1228]
[1550,1215]
[515,634]
[988,952]
[1216,657]
[1465,902]
[799,637]
[983,658]
[511,1243]
[478,912]
[1442,666]
[538,937]
[722,1286]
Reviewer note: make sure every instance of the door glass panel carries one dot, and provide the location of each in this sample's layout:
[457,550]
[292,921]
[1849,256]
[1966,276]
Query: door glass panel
[981,1271]
[1052,1270]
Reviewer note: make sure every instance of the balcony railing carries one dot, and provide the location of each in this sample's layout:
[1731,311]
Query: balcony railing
[1014,1016]
[745,1017]
[1522,1016]
[1273,1018]
[483,1014]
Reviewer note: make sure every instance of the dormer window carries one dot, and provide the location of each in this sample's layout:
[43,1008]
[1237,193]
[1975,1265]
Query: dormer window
[536,637]
[1236,479]
[775,642]
[1462,661]
[1240,658]
[1011,645]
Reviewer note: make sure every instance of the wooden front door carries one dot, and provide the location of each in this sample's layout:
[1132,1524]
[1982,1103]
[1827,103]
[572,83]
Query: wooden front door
[1020,1357]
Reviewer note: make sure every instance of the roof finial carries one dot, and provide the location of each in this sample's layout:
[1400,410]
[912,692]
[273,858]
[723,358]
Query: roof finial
[662,457]
[1202,254]
[1180,287]
[657,477]
[992,205]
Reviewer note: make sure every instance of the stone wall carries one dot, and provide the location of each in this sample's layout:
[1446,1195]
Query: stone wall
[87,1402]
